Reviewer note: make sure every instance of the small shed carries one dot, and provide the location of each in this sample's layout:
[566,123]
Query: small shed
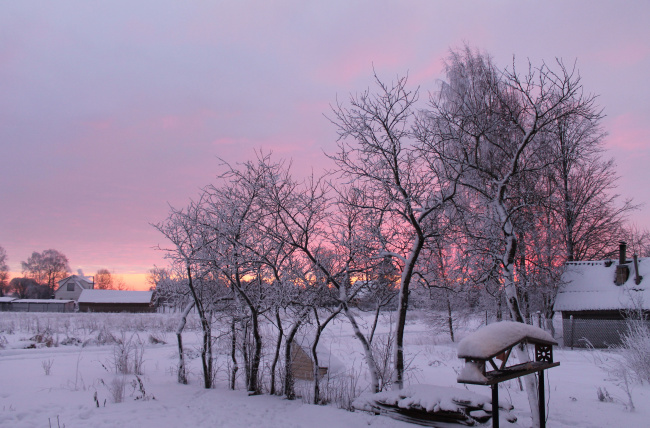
[5,303]
[302,365]
[595,297]
[41,305]
[116,301]
[70,288]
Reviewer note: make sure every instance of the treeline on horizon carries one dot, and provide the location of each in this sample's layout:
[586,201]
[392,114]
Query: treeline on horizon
[42,273]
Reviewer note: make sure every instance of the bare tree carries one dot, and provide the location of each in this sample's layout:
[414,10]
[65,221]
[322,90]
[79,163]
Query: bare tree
[586,209]
[492,126]
[378,154]
[4,272]
[47,268]
[104,279]
[27,288]
[182,230]
[638,240]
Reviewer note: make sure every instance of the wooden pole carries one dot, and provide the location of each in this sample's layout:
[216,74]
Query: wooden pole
[495,405]
[540,397]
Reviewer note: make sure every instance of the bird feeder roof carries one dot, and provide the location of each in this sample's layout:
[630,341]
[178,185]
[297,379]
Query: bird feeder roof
[494,339]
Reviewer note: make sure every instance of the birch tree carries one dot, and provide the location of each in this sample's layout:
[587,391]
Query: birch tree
[492,126]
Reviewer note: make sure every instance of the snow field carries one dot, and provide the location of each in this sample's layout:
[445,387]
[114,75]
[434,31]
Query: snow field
[30,398]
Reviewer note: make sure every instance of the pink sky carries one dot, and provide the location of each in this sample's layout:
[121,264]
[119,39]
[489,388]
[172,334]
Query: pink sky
[109,112]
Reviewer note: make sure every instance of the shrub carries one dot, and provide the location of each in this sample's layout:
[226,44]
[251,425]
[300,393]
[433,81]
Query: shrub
[635,349]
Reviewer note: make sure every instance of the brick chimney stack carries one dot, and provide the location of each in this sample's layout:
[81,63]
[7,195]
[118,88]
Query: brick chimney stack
[622,249]
[622,270]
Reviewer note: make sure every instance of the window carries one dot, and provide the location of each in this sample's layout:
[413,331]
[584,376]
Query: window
[70,286]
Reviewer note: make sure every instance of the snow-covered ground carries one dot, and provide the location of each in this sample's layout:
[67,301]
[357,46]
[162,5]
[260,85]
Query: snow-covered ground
[81,377]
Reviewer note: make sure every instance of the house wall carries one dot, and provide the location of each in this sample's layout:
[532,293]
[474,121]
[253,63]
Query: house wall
[62,292]
[41,307]
[601,330]
[116,307]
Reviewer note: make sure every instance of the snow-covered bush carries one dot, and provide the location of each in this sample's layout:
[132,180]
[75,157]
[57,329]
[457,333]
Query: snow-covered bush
[635,349]
[128,354]
[47,366]
[116,388]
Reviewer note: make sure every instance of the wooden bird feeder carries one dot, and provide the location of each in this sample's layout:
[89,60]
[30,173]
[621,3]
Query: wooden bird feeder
[487,352]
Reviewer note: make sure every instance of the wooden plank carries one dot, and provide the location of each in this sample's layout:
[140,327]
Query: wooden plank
[512,372]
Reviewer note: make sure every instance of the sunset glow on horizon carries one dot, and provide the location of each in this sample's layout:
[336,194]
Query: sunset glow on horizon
[113,112]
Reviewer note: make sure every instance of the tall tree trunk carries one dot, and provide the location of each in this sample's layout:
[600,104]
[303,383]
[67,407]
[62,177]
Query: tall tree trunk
[276,354]
[206,351]
[253,379]
[289,390]
[181,372]
[450,319]
[367,350]
[233,354]
[407,274]
[508,259]
[245,352]
[314,354]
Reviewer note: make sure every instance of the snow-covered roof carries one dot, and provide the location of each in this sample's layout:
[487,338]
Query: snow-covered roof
[48,301]
[115,296]
[82,281]
[6,299]
[493,339]
[325,356]
[79,277]
[589,286]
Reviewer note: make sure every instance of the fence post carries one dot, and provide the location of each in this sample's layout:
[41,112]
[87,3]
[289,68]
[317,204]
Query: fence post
[572,330]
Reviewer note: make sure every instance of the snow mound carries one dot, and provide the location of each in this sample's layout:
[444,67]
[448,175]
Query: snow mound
[431,398]
[493,339]
[425,402]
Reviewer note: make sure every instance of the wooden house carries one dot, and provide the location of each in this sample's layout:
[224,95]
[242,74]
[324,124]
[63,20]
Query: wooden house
[70,288]
[116,301]
[597,297]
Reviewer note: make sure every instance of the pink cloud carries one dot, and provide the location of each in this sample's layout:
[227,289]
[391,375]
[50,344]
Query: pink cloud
[623,55]
[628,132]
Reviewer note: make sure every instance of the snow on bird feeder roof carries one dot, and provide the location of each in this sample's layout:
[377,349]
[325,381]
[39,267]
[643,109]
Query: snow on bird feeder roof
[496,341]
[495,338]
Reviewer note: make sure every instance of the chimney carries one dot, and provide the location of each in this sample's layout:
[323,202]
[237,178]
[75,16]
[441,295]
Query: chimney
[622,248]
[622,270]
[637,277]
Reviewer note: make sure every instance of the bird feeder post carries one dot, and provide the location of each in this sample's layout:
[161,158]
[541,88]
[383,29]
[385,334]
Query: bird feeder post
[495,408]
[497,340]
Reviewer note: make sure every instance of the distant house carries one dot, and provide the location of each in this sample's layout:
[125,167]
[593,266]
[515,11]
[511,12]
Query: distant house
[5,303]
[70,288]
[116,301]
[40,305]
[596,296]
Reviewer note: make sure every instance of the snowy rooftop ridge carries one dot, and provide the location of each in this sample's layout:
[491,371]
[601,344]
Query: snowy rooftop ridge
[589,286]
[115,296]
[493,339]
